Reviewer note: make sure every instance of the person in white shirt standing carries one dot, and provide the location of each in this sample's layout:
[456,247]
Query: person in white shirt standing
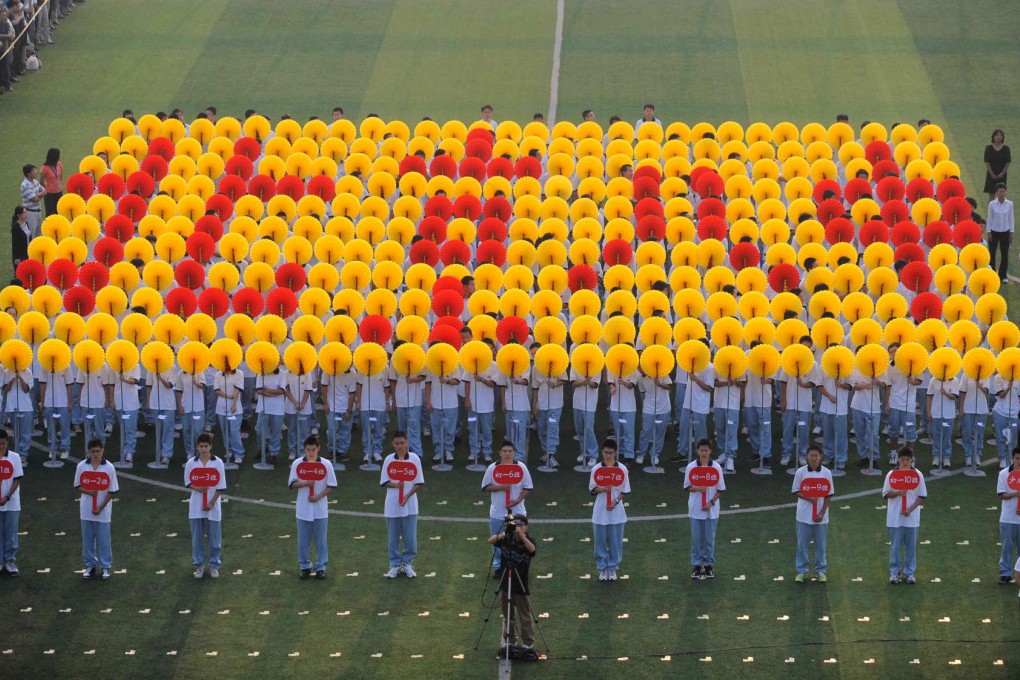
[402,477]
[1008,489]
[974,407]
[55,402]
[506,496]
[941,406]
[96,478]
[609,483]
[371,402]
[126,406]
[406,395]
[229,389]
[704,484]
[900,406]
[1000,230]
[1004,416]
[655,410]
[190,390]
[205,476]
[17,401]
[163,402]
[796,405]
[812,485]
[903,518]
[338,400]
[623,411]
[271,392]
[32,193]
[312,511]
[727,418]
[11,474]
[299,409]
[547,408]
[480,404]
[866,413]
[834,409]
[442,402]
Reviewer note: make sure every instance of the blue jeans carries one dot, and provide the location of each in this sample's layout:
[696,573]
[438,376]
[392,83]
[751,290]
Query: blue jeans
[901,425]
[584,424]
[796,425]
[834,436]
[866,429]
[608,544]
[373,425]
[9,535]
[444,429]
[165,423]
[406,528]
[270,428]
[95,423]
[942,438]
[703,542]
[653,436]
[338,429]
[973,436]
[727,425]
[693,427]
[200,528]
[623,430]
[307,531]
[298,427]
[494,526]
[409,420]
[516,431]
[58,428]
[23,425]
[230,426]
[759,430]
[77,412]
[903,540]
[95,538]
[128,428]
[480,432]
[192,425]
[549,429]
[805,534]
[1005,434]
[1009,536]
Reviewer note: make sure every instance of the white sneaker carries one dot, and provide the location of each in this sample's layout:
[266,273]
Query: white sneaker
[785,460]
[409,571]
[214,572]
[612,575]
[199,572]
[64,455]
[816,430]
[449,456]
[106,575]
[603,575]
[802,460]
[291,456]
[392,573]
[437,458]
[730,466]
[721,459]
[11,568]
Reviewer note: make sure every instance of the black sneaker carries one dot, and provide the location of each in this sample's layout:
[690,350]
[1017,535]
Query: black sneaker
[1005,580]
[862,462]
[305,573]
[756,458]
[766,463]
[321,574]
[709,572]
[678,459]
[696,573]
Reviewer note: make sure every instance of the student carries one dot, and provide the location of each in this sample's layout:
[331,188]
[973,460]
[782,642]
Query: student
[900,406]
[126,406]
[812,514]
[703,509]
[623,411]
[338,400]
[299,408]
[941,407]
[54,402]
[866,412]
[229,388]
[608,516]
[271,392]
[442,402]
[17,400]
[480,404]
[401,508]
[655,410]
[834,410]
[95,510]
[370,400]
[758,416]
[516,409]
[190,391]
[727,418]
[312,510]
[974,407]
[648,116]
[93,400]
[406,396]
[11,474]
[1009,520]
[1004,416]
[547,408]
[163,403]
[499,506]
[796,404]
[204,509]
[697,405]
[903,523]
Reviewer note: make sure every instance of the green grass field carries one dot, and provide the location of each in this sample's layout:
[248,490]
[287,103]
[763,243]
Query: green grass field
[739,60]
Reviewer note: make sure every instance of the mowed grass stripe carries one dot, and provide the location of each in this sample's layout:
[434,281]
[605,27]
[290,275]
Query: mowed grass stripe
[446,59]
[682,57]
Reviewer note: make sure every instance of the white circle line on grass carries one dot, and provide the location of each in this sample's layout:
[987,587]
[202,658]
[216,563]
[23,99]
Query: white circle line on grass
[468,520]
[554,78]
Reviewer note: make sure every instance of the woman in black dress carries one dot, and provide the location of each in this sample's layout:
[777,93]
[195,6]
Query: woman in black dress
[997,162]
[20,234]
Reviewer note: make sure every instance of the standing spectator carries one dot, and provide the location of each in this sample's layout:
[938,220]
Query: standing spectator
[96,511]
[997,160]
[547,407]
[21,234]
[903,519]
[10,505]
[7,36]
[796,406]
[974,411]
[299,409]
[204,509]
[648,117]
[401,506]
[53,181]
[55,403]
[31,194]
[585,401]
[812,514]
[758,416]
[608,516]
[162,400]
[311,511]
[371,402]
[1000,230]
[480,403]
[338,402]
[900,405]
[866,413]
[834,410]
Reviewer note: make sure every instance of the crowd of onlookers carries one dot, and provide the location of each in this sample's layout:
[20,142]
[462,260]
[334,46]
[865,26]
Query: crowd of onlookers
[24,26]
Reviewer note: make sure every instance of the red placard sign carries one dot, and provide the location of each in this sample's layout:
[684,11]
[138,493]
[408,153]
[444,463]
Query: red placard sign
[1013,482]
[815,488]
[904,480]
[6,470]
[308,471]
[95,481]
[609,476]
[401,471]
[509,474]
[704,475]
[204,478]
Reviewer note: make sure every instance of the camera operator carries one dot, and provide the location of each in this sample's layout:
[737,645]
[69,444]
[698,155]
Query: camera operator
[516,549]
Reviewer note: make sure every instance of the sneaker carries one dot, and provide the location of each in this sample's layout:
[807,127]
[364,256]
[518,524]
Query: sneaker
[12,569]
[785,460]
[305,573]
[449,457]
[576,438]
[199,572]
[816,430]
[426,432]
[63,455]
[822,578]
[801,460]
[1005,580]
[438,458]
[841,466]
[911,580]
[392,573]
[244,435]
[409,571]
[214,572]
[603,575]
[612,575]
[708,571]
[756,458]
[800,578]
[106,575]
[730,466]
[721,460]
[321,575]
[894,579]
[551,462]
[291,456]
[696,573]
[893,459]
[89,573]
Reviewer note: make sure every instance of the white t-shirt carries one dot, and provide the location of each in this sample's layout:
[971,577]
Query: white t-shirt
[695,501]
[625,399]
[585,398]
[125,395]
[655,399]
[373,391]
[727,397]
[600,514]
[17,400]
[443,395]
[902,395]
[697,399]
[392,507]
[518,397]
[756,393]
[483,397]
[842,405]
[272,406]
[1010,506]
[806,509]
[340,388]
[106,474]
[972,399]
[547,397]
[497,504]
[228,384]
[93,388]
[894,506]
[215,465]
[407,395]
[868,400]
[800,398]
[299,385]
[192,395]
[306,510]
[161,397]
[10,470]
[1008,405]
[56,388]
[942,406]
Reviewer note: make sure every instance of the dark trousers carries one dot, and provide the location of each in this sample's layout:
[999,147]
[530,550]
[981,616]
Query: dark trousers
[5,71]
[999,241]
[50,202]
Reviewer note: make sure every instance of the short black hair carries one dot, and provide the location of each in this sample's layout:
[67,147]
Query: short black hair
[905,452]
[842,118]
[507,442]
[204,438]
[609,443]
[814,447]
[400,434]
[95,443]
[27,168]
[338,109]
[703,442]
[311,440]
